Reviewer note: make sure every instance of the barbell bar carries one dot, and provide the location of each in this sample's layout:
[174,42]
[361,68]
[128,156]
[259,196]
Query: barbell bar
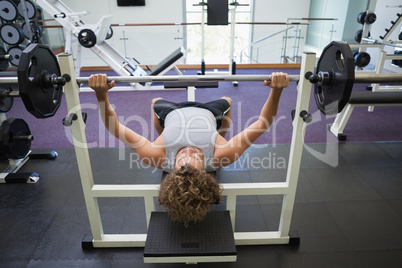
[188,78]
[40,80]
[359,78]
[164,78]
[313,78]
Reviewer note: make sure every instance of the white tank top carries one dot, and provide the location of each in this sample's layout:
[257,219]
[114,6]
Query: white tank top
[189,126]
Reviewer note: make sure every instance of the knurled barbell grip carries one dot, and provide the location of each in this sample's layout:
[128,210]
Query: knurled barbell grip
[187,78]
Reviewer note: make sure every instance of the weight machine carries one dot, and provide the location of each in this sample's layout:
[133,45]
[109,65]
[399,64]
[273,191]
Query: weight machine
[94,37]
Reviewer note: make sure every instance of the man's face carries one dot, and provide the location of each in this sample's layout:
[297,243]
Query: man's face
[190,155]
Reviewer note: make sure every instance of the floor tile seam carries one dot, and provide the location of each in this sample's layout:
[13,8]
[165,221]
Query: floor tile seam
[266,223]
[14,259]
[139,258]
[345,235]
[363,180]
[31,260]
[361,201]
[342,229]
[394,164]
[322,165]
[48,229]
[396,212]
[378,250]
[320,252]
[367,181]
[316,191]
[396,167]
[387,201]
[333,200]
[397,162]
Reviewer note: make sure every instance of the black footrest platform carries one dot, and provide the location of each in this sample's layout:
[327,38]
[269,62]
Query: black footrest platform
[211,240]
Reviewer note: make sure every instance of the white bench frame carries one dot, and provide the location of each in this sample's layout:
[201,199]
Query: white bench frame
[94,191]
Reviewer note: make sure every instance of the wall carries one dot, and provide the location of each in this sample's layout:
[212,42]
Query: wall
[351,26]
[277,11]
[151,44]
[148,45]
[321,33]
[346,27]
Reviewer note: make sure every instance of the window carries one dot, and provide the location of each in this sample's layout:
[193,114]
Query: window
[217,38]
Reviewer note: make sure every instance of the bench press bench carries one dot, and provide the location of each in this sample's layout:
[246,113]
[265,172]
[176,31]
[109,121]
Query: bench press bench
[363,99]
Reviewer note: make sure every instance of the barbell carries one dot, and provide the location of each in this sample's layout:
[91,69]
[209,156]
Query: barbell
[40,80]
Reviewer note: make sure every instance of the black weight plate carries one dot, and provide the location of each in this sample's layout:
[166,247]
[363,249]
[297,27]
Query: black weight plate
[109,34]
[15,52]
[40,100]
[10,146]
[31,9]
[12,34]
[358,36]
[362,59]
[87,38]
[360,17]
[8,11]
[6,103]
[336,59]
[4,63]
[370,18]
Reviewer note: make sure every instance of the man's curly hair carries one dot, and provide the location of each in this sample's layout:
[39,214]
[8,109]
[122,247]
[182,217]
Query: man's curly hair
[187,194]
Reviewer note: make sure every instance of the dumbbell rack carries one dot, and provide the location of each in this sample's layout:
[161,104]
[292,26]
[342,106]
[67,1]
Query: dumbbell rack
[16,18]
[367,42]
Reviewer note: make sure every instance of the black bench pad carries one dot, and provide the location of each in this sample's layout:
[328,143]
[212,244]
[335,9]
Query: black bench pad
[198,84]
[172,58]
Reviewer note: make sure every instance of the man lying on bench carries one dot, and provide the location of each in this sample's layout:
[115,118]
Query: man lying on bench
[191,143]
